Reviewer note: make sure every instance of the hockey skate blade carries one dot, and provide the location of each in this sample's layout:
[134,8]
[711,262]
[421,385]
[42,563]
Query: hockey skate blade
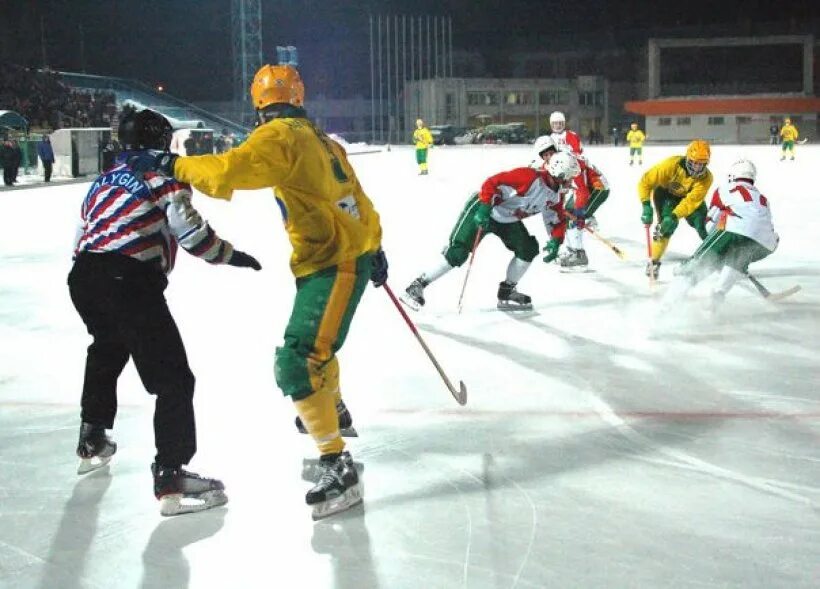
[87,465]
[178,504]
[409,302]
[512,307]
[575,269]
[350,498]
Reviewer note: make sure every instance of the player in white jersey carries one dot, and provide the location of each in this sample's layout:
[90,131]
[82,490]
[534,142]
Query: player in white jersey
[505,200]
[741,232]
[565,140]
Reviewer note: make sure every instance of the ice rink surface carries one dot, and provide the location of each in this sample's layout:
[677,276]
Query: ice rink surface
[603,445]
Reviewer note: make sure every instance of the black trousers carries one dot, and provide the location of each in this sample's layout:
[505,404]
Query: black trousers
[122,304]
[8,176]
[47,167]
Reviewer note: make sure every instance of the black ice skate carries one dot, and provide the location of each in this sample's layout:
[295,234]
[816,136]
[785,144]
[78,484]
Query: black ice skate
[510,299]
[345,422]
[413,295]
[338,488]
[653,268]
[574,260]
[95,448]
[180,491]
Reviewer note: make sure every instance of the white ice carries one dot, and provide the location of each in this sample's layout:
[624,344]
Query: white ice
[594,450]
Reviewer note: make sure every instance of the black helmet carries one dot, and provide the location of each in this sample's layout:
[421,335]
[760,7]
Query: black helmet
[146,129]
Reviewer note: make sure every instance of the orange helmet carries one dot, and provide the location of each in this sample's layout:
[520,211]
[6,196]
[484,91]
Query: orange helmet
[276,84]
[697,157]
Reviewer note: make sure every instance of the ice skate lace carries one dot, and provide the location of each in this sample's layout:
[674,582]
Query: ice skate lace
[330,477]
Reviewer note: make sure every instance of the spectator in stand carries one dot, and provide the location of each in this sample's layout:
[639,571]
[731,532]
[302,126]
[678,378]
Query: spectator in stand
[17,158]
[774,134]
[6,160]
[46,153]
[190,145]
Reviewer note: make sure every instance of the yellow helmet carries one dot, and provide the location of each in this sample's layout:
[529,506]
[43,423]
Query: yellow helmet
[697,157]
[276,84]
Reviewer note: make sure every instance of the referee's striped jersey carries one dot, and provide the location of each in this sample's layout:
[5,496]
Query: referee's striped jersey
[145,217]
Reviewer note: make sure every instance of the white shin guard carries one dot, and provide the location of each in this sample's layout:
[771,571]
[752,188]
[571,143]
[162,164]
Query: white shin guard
[726,280]
[516,269]
[436,272]
[574,238]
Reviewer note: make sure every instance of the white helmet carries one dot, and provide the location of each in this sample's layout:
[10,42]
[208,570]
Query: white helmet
[557,121]
[563,166]
[542,144]
[742,168]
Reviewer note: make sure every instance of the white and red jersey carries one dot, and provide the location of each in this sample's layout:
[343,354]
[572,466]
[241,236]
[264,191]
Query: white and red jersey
[739,207]
[521,193]
[569,141]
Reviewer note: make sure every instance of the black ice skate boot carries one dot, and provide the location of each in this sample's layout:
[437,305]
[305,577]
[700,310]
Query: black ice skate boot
[345,422]
[413,295]
[653,268]
[95,448]
[338,488]
[574,260]
[510,299]
[180,491]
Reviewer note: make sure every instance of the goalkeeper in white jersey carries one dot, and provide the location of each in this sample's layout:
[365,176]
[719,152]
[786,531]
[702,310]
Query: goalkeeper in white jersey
[740,233]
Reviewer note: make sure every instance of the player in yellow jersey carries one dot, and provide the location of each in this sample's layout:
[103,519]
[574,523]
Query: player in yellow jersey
[635,137]
[423,140]
[676,187]
[789,134]
[336,238]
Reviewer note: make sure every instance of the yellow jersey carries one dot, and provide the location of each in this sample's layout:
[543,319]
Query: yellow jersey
[422,138]
[328,217]
[670,177]
[635,138]
[789,132]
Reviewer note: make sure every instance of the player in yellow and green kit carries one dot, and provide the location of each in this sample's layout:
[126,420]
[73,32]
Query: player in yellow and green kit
[676,187]
[635,137]
[423,140]
[789,134]
[336,238]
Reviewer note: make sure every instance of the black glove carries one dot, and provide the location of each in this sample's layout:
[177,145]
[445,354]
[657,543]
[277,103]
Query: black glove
[243,260]
[378,273]
[161,163]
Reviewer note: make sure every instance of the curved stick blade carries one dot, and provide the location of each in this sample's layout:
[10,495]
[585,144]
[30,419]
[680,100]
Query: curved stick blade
[460,395]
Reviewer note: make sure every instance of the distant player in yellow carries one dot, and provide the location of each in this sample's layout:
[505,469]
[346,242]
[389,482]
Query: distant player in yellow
[789,134]
[635,137]
[335,234]
[677,188]
[423,140]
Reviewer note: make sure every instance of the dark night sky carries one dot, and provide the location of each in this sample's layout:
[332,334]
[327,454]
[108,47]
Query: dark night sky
[186,45]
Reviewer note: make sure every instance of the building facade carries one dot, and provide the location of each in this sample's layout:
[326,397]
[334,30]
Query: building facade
[475,102]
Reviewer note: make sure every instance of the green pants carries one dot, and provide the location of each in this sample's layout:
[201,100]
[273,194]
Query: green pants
[514,236]
[635,151]
[421,156]
[724,248]
[322,311]
[788,146]
[665,203]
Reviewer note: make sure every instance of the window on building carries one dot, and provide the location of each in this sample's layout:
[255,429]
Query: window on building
[664,121]
[554,96]
[683,121]
[586,98]
[744,120]
[599,98]
[518,98]
[450,106]
[482,98]
[713,121]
